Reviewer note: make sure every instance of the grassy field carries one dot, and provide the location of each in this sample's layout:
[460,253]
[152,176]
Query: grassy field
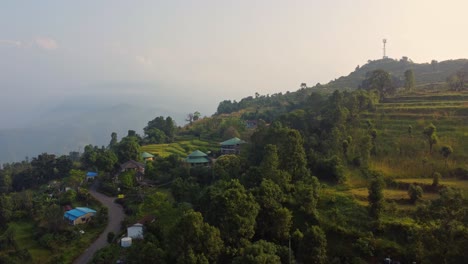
[181,147]
[389,194]
[24,237]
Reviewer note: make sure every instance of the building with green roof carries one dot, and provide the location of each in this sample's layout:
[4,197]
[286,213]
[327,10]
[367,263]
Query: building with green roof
[231,146]
[198,158]
[147,156]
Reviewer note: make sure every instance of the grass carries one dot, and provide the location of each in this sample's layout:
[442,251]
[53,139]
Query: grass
[24,231]
[454,183]
[390,195]
[181,148]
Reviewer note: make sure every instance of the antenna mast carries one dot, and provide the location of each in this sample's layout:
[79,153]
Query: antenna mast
[384,51]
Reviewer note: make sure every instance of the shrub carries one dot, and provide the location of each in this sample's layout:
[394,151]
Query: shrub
[436,179]
[415,193]
[110,237]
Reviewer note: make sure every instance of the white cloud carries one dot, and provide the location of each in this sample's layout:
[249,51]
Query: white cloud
[9,42]
[46,43]
[143,60]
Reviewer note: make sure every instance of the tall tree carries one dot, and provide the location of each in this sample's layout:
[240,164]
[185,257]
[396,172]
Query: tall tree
[380,81]
[128,149]
[113,142]
[431,136]
[228,206]
[409,80]
[446,151]
[259,252]
[313,247]
[376,197]
[193,239]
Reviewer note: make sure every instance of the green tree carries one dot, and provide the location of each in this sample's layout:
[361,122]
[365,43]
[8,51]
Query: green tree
[106,160]
[196,115]
[415,192]
[446,151]
[260,252]
[273,220]
[431,136]
[228,206]
[380,81]
[127,179]
[306,196]
[376,197]
[436,179]
[293,158]
[409,80]
[313,247]
[6,210]
[113,142]
[128,149]
[227,167]
[192,238]
[75,179]
[156,126]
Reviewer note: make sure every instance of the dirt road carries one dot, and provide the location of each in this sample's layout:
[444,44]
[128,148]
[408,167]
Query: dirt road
[116,215]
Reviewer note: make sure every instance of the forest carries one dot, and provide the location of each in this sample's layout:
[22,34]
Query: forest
[326,176]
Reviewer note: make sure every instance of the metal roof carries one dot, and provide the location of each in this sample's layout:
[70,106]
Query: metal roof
[197,160]
[78,212]
[232,141]
[91,174]
[146,155]
[197,154]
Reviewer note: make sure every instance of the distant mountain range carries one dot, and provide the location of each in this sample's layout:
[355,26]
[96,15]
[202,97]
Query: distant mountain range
[70,126]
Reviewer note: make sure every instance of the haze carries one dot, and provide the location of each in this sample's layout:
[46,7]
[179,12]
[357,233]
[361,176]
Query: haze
[177,57]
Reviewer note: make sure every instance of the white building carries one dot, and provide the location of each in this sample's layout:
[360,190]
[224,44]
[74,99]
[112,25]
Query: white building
[135,231]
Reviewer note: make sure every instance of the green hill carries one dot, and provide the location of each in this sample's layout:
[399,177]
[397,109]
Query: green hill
[425,73]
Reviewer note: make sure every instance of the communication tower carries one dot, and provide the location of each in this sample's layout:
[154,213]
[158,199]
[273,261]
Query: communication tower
[384,51]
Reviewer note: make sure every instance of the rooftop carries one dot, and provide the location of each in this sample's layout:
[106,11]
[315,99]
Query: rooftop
[197,154]
[78,212]
[232,141]
[147,155]
[91,174]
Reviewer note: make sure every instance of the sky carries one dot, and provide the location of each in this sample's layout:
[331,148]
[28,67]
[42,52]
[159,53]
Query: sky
[191,55]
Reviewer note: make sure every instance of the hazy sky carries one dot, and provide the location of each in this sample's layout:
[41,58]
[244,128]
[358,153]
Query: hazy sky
[207,51]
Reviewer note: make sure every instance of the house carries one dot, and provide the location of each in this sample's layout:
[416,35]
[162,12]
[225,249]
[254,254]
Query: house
[197,158]
[136,166]
[231,146]
[135,231]
[133,165]
[79,215]
[147,156]
[91,175]
[251,124]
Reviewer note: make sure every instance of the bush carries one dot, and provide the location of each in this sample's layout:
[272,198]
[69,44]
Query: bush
[110,237]
[436,179]
[415,193]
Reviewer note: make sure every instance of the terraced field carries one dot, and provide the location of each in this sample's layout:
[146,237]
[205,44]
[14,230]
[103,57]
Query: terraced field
[403,153]
[181,147]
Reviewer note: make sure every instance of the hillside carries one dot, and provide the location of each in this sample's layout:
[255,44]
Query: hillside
[425,73]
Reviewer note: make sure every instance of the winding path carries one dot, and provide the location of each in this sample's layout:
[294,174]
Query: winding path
[116,215]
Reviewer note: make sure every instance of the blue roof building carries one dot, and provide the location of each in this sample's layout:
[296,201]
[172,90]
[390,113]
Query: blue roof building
[91,174]
[79,215]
